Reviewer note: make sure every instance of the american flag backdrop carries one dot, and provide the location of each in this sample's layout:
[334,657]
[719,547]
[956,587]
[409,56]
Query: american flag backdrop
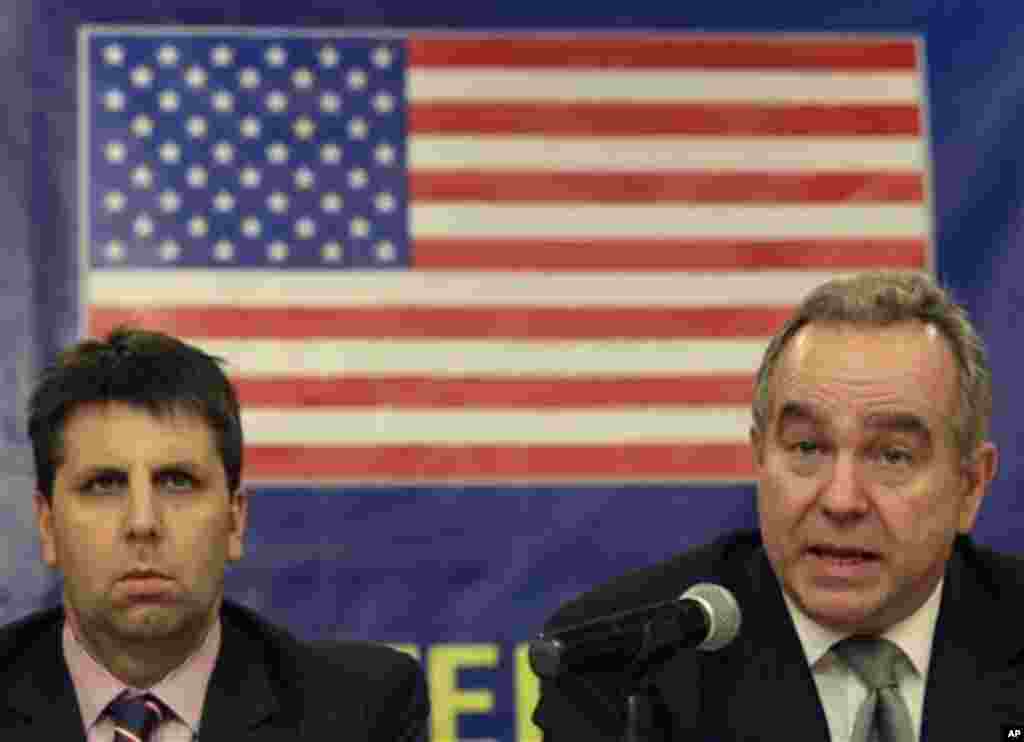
[495,258]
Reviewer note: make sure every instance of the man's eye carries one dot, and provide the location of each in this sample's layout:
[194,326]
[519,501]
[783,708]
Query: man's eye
[177,481]
[104,484]
[896,457]
[806,447]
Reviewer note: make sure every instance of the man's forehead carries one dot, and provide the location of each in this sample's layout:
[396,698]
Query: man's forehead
[122,429]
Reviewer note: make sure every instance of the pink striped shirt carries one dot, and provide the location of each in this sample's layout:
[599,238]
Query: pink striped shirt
[183,690]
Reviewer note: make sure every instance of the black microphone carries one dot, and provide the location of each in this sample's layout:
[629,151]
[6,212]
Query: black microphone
[705,617]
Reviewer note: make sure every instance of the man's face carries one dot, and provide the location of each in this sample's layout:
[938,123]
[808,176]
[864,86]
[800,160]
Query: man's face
[861,486]
[141,525]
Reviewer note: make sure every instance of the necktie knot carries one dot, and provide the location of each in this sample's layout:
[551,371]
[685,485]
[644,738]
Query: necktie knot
[873,660]
[135,717]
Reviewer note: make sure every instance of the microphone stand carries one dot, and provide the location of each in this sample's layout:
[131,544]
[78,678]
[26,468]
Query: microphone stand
[641,725]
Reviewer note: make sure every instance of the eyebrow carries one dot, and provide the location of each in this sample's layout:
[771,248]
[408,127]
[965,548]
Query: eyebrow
[900,422]
[798,412]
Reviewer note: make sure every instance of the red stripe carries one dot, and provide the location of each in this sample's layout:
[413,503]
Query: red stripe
[498,392]
[638,255]
[655,119]
[642,187]
[674,52]
[454,463]
[456,323]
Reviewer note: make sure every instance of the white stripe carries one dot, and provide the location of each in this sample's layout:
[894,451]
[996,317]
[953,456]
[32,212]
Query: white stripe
[341,426]
[304,358]
[141,289]
[660,154]
[611,221]
[490,85]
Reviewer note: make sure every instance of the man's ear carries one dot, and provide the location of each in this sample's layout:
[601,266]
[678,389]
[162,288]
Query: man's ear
[239,519]
[44,522]
[756,444]
[978,473]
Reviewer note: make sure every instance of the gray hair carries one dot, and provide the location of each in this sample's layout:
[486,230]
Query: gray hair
[882,299]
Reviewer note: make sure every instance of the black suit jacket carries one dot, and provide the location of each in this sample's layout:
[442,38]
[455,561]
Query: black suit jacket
[266,686]
[760,686]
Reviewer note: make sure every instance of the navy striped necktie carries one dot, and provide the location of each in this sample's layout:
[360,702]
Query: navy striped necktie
[135,718]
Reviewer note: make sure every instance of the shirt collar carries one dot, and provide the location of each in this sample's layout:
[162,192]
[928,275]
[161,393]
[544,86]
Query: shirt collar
[913,634]
[183,690]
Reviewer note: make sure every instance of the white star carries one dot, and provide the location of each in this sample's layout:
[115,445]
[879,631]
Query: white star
[169,251]
[304,128]
[115,251]
[143,226]
[302,78]
[250,127]
[142,126]
[250,178]
[113,201]
[359,227]
[331,202]
[332,252]
[277,251]
[330,154]
[358,178]
[170,202]
[169,101]
[249,78]
[384,154]
[305,228]
[142,76]
[329,57]
[113,55]
[330,102]
[222,55]
[277,102]
[384,202]
[223,101]
[195,76]
[223,251]
[223,202]
[358,128]
[170,152]
[198,226]
[276,56]
[251,227]
[304,178]
[196,127]
[142,177]
[224,153]
[196,176]
[113,100]
[115,152]
[382,57]
[357,79]
[277,153]
[384,103]
[277,202]
[167,56]
[385,251]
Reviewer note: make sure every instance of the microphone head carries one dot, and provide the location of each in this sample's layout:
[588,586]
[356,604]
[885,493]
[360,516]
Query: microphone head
[723,613]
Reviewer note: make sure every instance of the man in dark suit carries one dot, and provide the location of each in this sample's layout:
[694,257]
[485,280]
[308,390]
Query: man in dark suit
[869,437]
[138,450]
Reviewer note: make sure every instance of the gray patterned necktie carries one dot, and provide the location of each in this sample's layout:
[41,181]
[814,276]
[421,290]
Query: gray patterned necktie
[883,717]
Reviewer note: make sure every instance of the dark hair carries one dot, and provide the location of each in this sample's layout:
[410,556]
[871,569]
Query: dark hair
[882,299]
[142,368]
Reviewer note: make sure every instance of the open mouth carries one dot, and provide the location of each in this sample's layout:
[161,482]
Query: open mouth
[843,555]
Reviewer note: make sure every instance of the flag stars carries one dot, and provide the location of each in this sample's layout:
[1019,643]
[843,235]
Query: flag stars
[358,128]
[277,153]
[358,178]
[113,100]
[331,202]
[196,127]
[305,228]
[330,154]
[249,78]
[332,252]
[384,202]
[276,56]
[250,177]
[304,128]
[277,251]
[114,201]
[223,251]
[196,176]
[167,56]
[169,101]
[114,152]
[195,77]
[277,202]
[170,153]
[329,57]
[384,154]
[142,126]
[143,226]
[142,76]
[223,202]
[114,251]
[223,101]
[142,177]
[382,57]
[383,103]
[330,102]
[250,127]
[359,227]
[357,79]
[169,251]
[222,56]
[385,251]
[224,153]
[198,227]
[113,55]
[304,178]
[170,201]
[303,78]
[251,227]
[277,102]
